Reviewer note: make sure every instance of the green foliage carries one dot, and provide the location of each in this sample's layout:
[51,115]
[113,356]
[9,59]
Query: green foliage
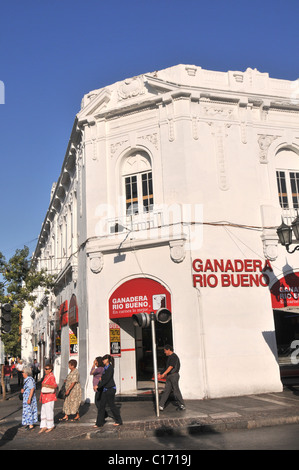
[19,281]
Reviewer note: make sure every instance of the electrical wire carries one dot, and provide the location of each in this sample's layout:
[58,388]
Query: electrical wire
[214,224]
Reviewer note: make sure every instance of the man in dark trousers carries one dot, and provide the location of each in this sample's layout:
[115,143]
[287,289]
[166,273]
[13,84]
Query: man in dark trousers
[172,379]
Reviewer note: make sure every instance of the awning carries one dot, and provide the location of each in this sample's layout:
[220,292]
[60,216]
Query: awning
[291,310]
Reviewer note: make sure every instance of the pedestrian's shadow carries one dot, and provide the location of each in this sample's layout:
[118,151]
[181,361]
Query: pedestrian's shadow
[84,408]
[82,411]
[9,435]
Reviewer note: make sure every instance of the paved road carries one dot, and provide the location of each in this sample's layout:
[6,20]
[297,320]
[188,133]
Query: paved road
[267,438]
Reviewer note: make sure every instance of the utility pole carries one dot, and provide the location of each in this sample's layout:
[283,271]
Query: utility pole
[154,346]
[2,367]
[2,383]
[163,315]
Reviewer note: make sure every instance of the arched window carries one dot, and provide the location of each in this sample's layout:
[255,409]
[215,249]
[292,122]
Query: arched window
[138,183]
[287,176]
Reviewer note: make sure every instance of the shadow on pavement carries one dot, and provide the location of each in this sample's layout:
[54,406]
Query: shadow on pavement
[83,410]
[9,435]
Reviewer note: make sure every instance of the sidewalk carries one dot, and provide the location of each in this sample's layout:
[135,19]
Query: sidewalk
[140,419]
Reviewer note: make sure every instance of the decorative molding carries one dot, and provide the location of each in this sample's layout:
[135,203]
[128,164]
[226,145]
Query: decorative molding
[239,77]
[271,217]
[191,71]
[243,127]
[177,251]
[243,110]
[270,251]
[264,142]
[131,87]
[152,138]
[96,262]
[80,166]
[75,273]
[94,149]
[223,112]
[219,133]
[270,245]
[195,133]
[116,146]
[171,135]
[91,104]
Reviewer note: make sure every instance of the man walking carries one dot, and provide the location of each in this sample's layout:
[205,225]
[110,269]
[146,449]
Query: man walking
[35,369]
[172,379]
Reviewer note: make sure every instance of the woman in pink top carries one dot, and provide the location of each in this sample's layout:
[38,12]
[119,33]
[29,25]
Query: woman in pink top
[97,372]
[47,399]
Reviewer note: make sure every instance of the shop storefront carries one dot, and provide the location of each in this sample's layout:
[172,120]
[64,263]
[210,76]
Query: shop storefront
[142,295]
[285,303]
[73,326]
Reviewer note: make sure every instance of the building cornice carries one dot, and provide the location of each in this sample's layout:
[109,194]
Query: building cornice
[57,196]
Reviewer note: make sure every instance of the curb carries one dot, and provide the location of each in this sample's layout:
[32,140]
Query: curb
[264,422]
[155,429]
[167,428]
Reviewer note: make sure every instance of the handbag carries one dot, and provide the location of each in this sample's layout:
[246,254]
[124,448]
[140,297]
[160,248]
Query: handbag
[21,396]
[47,390]
[61,393]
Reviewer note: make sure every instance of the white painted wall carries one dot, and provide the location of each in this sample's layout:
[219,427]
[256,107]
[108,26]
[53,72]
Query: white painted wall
[212,139]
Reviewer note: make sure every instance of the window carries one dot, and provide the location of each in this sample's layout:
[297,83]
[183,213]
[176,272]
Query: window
[282,189]
[131,194]
[138,182]
[139,193]
[147,191]
[288,188]
[287,177]
[294,177]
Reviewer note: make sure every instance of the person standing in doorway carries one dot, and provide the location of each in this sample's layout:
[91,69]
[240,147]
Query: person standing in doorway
[172,379]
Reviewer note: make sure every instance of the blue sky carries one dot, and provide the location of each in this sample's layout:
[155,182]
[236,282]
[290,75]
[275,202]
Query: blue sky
[52,52]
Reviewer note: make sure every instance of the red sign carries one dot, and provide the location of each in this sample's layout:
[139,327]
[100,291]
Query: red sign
[137,296]
[73,313]
[230,273]
[285,292]
[115,340]
[63,313]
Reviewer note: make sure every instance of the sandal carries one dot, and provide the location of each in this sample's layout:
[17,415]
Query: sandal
[65,418]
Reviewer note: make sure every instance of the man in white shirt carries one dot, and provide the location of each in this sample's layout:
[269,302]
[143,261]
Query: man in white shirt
[19,369]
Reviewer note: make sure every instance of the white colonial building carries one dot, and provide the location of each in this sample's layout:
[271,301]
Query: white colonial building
[170,193]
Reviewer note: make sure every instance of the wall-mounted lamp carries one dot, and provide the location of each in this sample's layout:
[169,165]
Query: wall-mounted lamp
[285,232]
